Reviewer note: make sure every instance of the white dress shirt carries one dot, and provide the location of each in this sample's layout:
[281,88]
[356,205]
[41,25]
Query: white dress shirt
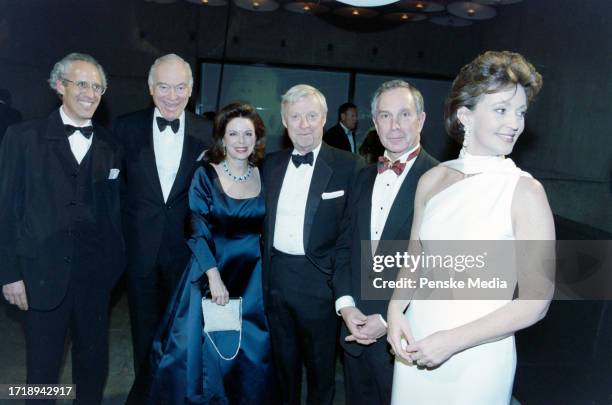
[168,148]
[386,187]
[350,135]
[79,144]
[291,209]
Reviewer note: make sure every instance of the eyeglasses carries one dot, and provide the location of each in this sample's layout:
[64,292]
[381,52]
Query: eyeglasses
[84,86]
[180,90]
[385,117]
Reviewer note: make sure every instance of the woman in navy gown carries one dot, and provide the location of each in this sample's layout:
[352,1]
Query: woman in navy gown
[227,205]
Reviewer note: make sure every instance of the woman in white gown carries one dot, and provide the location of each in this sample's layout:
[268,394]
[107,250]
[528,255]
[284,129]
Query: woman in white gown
[462,351]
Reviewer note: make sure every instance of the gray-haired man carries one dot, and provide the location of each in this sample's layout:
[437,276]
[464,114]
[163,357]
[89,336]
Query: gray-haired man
[306,195]
[162,145]
[61,248]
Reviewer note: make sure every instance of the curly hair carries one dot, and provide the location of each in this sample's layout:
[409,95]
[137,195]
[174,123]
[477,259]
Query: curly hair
[216,153]
[490,72]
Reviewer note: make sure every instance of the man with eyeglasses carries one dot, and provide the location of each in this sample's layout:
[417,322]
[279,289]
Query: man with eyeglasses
[61,247]
[380,210]
[163,146]
[306,194]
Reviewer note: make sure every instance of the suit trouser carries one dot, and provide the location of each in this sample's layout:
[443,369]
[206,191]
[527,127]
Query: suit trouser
[303,328]
[368,377]
[83,311]
[148,297]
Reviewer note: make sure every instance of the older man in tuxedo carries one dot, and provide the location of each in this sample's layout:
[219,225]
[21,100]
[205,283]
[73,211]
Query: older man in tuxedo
[61,248]
[162,148]
[380,209]
[306,195]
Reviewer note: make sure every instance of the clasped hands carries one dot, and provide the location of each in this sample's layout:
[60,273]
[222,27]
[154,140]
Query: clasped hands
[363,329]
[430,351]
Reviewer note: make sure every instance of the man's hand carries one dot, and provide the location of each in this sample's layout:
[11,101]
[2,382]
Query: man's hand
[373,329]
[15,293]
[354,320]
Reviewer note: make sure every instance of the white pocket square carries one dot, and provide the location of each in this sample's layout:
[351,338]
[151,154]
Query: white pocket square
[113,174]
[333,194]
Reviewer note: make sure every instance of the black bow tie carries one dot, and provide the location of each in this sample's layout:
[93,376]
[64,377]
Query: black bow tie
[162,123]
[302,159]
[86,131]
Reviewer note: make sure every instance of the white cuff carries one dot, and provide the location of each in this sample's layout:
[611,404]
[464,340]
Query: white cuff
[343,302]
[383,321]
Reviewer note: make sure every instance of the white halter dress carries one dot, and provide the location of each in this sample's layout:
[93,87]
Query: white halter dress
[475,208]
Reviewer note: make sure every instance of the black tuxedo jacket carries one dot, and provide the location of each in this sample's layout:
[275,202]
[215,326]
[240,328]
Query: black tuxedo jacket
[334,170]
[148,221]
[39,214]
[356,228]
[336,137]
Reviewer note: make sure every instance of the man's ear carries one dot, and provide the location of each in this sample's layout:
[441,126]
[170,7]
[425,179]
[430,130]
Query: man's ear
[283,120]
[59,86]
[422,117]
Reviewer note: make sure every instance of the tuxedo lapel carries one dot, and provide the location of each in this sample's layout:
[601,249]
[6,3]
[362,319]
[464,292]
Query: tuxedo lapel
[274,182]
[58,141]
[188,156]
[364,212]
[147,155]
[322,172]
[101,157]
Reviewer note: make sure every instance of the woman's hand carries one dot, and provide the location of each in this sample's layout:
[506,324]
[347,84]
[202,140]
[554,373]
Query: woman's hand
[398,331]
[433,350]
[218,292]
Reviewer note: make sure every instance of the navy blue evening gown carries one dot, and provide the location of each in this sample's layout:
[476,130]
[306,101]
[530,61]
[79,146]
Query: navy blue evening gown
[185,367]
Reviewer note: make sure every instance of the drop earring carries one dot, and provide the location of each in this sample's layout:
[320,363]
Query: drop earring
[467,134]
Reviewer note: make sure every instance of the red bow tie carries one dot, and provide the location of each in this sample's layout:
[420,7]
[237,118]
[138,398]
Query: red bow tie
[397,167]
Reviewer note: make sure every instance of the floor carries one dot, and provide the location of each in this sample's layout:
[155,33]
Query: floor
[566,359]
[120,377]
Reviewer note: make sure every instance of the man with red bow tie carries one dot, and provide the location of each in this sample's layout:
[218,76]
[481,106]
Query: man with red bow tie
[381,210]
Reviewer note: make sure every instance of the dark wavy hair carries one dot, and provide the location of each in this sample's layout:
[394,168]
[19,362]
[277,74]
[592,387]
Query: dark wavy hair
[490,72]
[216,153]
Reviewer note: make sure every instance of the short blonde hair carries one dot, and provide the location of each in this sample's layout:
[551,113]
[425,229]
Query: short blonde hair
[298,92]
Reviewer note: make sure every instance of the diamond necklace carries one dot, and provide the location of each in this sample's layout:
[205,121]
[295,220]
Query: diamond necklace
[242,178]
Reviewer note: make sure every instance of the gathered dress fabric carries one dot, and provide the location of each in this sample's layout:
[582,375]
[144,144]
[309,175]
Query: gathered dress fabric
[477,208]
[186,369]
